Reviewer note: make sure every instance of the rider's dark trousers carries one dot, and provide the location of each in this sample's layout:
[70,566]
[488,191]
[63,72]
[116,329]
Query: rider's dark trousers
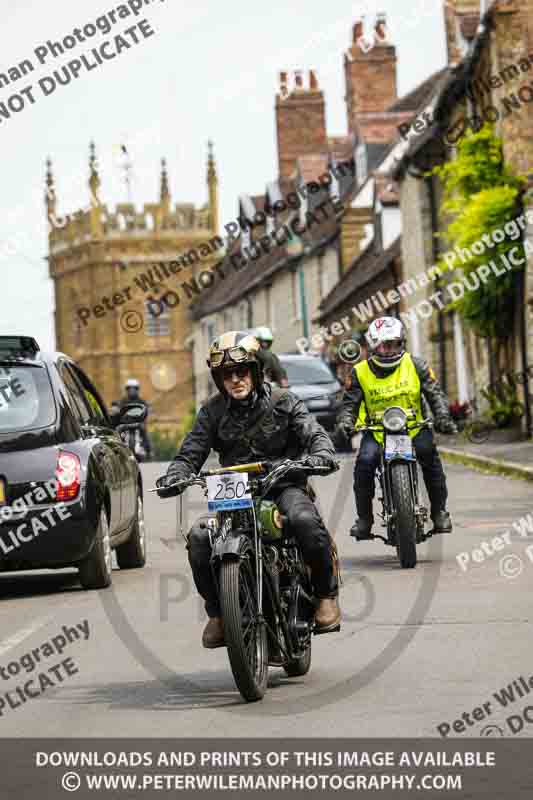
[367,462]
[305,524]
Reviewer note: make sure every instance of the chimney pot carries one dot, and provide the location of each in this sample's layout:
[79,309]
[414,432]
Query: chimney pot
[381,27]
[358,29]
[313,81]
[298,79]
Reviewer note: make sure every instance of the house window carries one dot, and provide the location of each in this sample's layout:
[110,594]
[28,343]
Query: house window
[228,321]
[246,239]
[323,279]
[269,303]
[361,164]
[242,315]
[210,332]
[296,295]
[156,325]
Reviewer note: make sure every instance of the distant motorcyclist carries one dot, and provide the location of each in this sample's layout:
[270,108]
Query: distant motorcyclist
[132,388]
[391,376]
[271,363]
[248,421]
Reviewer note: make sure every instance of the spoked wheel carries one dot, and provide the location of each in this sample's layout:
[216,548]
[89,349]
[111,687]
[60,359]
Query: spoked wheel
[246,637]
[478,432]
[405,520]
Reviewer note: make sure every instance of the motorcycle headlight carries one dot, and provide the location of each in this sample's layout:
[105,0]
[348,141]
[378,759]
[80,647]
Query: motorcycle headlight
[394,419]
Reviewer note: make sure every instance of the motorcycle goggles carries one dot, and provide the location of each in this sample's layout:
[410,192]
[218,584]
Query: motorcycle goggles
[237,354]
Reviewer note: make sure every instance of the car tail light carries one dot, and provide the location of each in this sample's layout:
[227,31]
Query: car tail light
[68,476]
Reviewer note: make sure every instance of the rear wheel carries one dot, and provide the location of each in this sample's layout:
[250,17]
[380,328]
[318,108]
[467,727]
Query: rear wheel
[132,554]
[405,521]
[245,636]
[96,570]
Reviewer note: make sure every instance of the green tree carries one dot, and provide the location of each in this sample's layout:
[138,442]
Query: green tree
[482,194]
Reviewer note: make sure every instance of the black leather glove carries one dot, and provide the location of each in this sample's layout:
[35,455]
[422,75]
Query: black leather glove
[344,430]
[446,425]
[323,461]
[175,472]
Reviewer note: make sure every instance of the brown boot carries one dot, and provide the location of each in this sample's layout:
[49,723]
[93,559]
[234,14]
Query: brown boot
[328,615]
[213,635]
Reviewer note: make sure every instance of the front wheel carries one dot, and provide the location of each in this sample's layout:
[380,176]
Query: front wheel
[405,521]
[245,635]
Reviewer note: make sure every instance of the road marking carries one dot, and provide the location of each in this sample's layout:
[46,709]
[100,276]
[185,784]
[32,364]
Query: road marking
[24,633]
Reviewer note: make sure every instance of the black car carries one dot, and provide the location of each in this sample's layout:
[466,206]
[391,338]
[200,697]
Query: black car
[312,381]
[70,489]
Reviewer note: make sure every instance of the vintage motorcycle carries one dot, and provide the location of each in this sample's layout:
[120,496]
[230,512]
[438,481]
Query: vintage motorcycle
[402,513]
[265,592]
[132,437]
[131,433]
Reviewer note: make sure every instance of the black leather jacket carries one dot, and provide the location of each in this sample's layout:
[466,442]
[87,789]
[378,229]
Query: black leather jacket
[429,388]
[286,430]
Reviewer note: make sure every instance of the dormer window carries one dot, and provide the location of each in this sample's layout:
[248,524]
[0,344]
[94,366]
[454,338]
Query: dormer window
[246,239]
[361,164]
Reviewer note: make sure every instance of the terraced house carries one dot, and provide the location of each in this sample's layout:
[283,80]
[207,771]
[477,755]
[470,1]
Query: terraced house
[488,79]
[284,288]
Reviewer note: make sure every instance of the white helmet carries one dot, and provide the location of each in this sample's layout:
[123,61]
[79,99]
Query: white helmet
[132,383]
[386,342]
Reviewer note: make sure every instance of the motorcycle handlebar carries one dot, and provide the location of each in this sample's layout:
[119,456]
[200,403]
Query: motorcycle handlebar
[255,467]
[410,425]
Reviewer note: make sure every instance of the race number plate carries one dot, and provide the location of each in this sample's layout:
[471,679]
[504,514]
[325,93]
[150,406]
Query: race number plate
[398,446]
[229,491]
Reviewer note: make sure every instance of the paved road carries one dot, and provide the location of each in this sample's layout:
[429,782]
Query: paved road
[417,648]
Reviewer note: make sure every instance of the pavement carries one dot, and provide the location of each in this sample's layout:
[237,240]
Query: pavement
[513,459]
[417,649]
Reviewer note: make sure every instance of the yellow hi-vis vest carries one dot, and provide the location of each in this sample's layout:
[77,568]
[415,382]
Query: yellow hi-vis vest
[400,388]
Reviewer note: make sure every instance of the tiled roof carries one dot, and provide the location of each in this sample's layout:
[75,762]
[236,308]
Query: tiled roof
[236,284]
[368,266]
[376,153]
[420,95]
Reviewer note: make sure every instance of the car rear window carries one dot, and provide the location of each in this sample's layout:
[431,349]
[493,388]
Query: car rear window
[26,398]
[307,371]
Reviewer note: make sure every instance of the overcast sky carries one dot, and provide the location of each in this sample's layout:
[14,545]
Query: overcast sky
[210,71]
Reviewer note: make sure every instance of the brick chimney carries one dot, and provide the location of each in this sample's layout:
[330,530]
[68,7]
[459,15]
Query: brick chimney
[300,120]
[461,19]
[370,73]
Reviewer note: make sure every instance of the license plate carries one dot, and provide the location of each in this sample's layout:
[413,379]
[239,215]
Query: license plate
[2,493]
[398,446]
[229,491]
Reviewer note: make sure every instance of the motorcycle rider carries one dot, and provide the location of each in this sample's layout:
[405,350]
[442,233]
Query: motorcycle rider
[391,376]
[132,388]
[246,421]
[271,363]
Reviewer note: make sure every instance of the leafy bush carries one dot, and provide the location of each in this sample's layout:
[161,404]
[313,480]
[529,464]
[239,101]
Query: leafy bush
[505,409]
[482,194]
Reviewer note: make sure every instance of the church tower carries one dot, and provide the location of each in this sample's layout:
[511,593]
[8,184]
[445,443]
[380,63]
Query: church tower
[110,270]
